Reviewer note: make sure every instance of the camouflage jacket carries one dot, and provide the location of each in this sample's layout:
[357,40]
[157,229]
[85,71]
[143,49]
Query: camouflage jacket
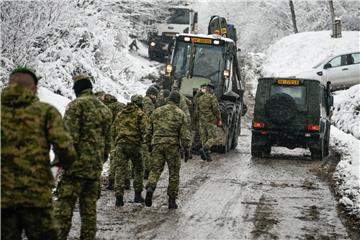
[89,121]
[207,107]
[149,106]
[168,125]
[112,103]
[28,129]
[129,126]
[184,105]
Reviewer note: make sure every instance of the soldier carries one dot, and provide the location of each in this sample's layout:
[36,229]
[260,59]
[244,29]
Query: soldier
[162,98]
[28,129]
[88,121]
[128,130]
[149,107]
[168,126]
[115,106]
[208,110]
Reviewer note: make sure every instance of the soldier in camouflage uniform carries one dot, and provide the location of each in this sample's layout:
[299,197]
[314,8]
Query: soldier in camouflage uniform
[115,106]
[28,129]
[208,110]
[88,121]
[167,128]
[128,130]
[162,98]
[149,107]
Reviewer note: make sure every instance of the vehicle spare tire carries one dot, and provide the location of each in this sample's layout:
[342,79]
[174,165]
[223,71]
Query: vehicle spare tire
[280,108]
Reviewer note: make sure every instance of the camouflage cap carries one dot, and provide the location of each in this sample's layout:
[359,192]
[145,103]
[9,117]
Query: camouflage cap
[174,97]
[81,76]
[137,99]
[152,91]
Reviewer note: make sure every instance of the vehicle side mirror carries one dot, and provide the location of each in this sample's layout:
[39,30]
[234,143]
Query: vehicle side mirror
[320,73]
[244,110]
[328,65]
[330,101]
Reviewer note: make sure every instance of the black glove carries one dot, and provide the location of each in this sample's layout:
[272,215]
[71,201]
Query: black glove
[186,155]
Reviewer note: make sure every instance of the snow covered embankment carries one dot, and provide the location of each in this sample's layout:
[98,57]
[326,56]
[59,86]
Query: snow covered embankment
[347,175]
[346,114]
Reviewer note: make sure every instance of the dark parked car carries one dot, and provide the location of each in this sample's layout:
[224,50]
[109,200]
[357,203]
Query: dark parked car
[292,113]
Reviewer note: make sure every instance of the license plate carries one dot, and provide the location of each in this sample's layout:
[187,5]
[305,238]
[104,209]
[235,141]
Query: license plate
[201,40]
[288,82]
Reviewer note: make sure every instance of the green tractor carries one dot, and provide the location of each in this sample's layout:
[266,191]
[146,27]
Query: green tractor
[201,59]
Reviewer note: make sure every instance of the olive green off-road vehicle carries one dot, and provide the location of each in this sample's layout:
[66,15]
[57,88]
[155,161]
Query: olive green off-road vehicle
[291,113]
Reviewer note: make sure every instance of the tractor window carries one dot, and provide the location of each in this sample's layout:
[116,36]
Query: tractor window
[178,16]
[296,92]
[207,62]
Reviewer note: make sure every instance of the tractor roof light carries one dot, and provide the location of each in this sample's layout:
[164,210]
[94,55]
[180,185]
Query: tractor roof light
[226,74]
[169,69]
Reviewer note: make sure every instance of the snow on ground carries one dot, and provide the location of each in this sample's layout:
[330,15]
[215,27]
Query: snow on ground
[299,52]
[58,101]
[346,115]
[347,173]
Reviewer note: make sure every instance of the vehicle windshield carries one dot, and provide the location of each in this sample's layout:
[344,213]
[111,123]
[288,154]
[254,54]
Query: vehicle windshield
[207,62]
[321,62]
[178,16]
[296,92]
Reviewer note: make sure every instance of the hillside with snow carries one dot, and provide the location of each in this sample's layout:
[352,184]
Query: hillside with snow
[298,52]
[59,40]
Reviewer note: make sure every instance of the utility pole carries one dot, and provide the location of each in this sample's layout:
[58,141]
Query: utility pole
[332,14]
[293,16]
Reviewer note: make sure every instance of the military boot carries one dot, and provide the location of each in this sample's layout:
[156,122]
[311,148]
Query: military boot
[138,198]
[207,154]
[149,196]
[127,184]
[119,201]
[172,203]
[146,174]
[110,185]
[203,154]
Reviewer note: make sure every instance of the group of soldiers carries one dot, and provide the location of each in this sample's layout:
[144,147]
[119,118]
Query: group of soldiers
[148,132]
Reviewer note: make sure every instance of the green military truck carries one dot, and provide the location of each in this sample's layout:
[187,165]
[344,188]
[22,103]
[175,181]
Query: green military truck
[201,59]
[291,113]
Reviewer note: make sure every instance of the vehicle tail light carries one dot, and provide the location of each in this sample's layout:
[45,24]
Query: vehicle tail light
[314,128]
[264,132]
[258,125]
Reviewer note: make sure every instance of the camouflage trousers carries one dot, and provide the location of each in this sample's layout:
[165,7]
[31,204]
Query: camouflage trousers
[163,153]
[146,157]
[69,190]
[124,153]
[37,222]
[129,172]
[208,134]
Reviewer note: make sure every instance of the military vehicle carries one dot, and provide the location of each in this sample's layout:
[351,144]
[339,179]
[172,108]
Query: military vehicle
[291,113]
[181,20]
[201,59]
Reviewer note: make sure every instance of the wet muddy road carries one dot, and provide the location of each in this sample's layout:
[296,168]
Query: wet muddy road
[233,197]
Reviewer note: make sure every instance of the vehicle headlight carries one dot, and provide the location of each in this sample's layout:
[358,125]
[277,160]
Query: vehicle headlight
[152,44]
